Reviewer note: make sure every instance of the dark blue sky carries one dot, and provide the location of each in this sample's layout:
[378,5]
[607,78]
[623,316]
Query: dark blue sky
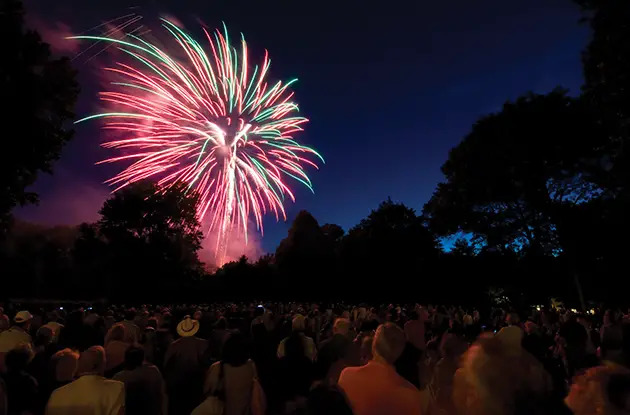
[389,88]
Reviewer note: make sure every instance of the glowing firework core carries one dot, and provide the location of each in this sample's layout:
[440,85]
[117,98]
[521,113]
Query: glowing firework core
[210,121]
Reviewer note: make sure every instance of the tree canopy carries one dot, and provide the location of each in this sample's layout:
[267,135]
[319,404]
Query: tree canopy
[38,95]
[148,235]
[510,179]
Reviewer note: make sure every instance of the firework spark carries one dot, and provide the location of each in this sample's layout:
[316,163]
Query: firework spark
[209,120]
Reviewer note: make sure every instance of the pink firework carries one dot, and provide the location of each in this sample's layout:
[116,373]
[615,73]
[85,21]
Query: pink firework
[209,120]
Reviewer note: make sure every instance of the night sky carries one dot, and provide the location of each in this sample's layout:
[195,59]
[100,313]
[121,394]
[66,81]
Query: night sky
[389,87]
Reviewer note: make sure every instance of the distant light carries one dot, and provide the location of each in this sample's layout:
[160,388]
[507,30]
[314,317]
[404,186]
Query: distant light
[537,308]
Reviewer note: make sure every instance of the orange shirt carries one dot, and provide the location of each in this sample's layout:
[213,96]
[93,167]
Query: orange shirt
[376,389]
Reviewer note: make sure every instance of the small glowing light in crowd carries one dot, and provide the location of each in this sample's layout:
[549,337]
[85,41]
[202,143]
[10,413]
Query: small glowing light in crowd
[573,310]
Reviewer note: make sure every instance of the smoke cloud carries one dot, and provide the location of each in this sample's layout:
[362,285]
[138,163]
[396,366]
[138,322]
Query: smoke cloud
[54,33]
[66,201]
[237,245]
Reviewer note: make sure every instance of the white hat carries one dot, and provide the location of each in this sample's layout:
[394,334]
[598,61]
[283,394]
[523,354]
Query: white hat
[22,316]
[187,327]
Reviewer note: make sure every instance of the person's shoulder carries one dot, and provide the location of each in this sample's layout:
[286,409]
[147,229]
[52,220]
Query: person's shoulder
[122,375]
[149,367]
[112,383]
[251,365]
[405,386]
[352,371]
[114,386]
[325,343]
[63,390]
[201,343]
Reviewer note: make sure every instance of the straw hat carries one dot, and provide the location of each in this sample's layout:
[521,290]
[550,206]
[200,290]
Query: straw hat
[187,327]
[22,316]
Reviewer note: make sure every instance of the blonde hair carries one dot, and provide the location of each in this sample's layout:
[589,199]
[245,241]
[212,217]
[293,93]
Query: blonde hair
[341,326]
[589,394]
[389,342]
[65,363]
[92,360]
[298,323]
[494,380]
[117,332]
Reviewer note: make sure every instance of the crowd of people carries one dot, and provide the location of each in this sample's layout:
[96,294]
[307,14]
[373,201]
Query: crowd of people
[292,358]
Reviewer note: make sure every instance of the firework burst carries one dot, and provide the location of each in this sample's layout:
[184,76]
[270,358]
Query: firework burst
[209,120]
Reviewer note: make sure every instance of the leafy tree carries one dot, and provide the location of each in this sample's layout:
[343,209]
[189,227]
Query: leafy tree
[306,253]
[510,181]
[606,62]
[305,240]
[606,65]
[334,235]
[333,232]
[391,243]
[38,95]
[243,280]
[37,260]
[152,235]
[463,248]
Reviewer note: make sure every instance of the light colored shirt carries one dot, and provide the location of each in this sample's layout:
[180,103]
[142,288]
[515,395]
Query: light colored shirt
[88,395]
[376,389]
[55,328]
[13,337]
[9,340]
[237,385]
[309,348]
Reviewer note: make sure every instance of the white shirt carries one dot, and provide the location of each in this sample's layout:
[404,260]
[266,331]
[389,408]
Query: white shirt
[55,328]
[237,384]
[309,347]
[13,337]
[88,395]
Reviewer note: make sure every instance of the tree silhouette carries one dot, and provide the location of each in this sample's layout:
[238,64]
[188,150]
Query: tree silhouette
[606,65]
[333,232]
[391,243]
[37,260]
[463,248]
[606,62]
[152,235]
[306,253]
[38,95]
[511,179]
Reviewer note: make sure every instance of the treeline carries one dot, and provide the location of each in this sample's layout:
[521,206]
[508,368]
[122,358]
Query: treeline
[144,249]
